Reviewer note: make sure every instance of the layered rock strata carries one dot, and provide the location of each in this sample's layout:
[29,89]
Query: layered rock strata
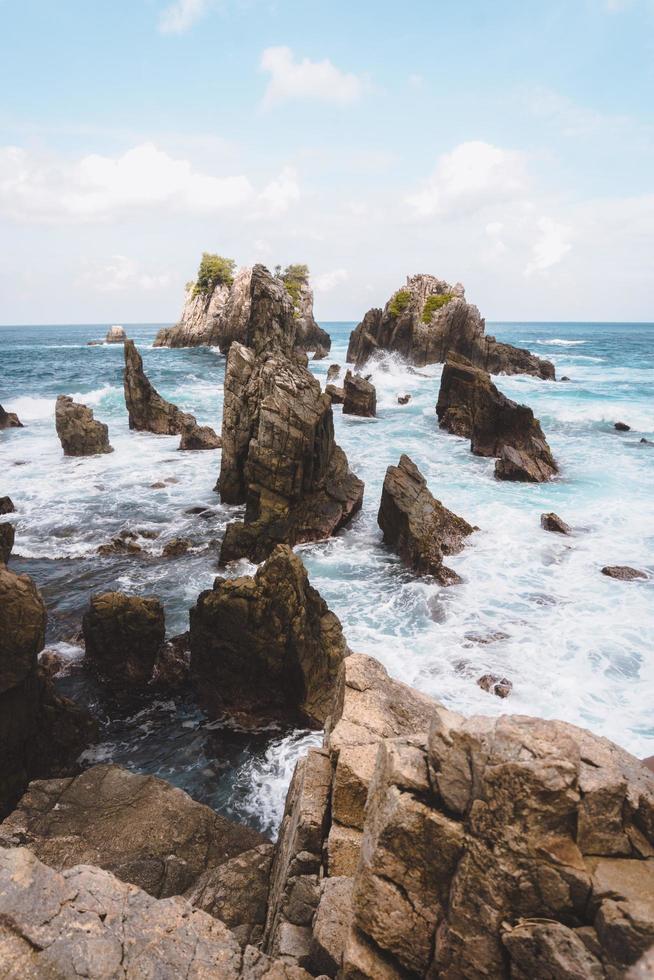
[267,646]
[470,405]
[279,456]
[123,635]
[359,396]
[417,526]
[79,433]
[428,321]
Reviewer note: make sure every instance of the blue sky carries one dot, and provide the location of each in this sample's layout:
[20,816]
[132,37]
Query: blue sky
[509,146]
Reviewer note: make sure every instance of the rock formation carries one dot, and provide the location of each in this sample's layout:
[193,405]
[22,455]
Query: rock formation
[623,572]
[123,635]
[199,437]
[359,396]
[147,410]
[336,394]
[416,525]
[267,646]
[115,335]
[7,537]
[622,427]
[9,420]
[7,505]
[79,433]
[470,405]
[279,456]
[552,522]
[501,686]
[428,321]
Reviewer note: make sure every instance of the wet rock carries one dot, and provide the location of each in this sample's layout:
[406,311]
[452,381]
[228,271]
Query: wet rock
[320,353]
[9,420]
[79,433]
[124,543]
[147,410]
[360,396]
[279,456]
[336,394]
[416,525]
[333,372]
[115,335]
[470,405]
[122,635]
[484,639]
[51,663]
[428,321]
[176,547]
[622,427]
[564,378]
[159,485]
[552,522]
[623,572]
[268,645]
[7,537]
[173,663]
[199,437]
[7,506]
[647,442]
[403,399]
[494,684]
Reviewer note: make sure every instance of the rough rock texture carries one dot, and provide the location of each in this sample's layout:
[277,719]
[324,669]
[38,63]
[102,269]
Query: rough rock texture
[40,732]
[418,526]
[623,572]
[470,405]
[9,420]
[115,335]
[200,319]
[79,433]
[173,663]
[199,437]
[336,394]
[333,372]
[7,505]
[140,828]
[279,456]
[494,684]
[414,325]
[267,645]
[7,536]
[360,396]
[552,522]
[123,635]
[403,399]
[84,922]
[320,353]
[147,410]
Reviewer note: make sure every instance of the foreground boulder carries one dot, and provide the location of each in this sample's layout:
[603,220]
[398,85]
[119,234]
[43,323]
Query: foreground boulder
[279,456]
[139,828]
[428,321]
[267,646]
[79,433]
[147,410]
[123,634]
[359,396]
[416,525]
[470,405]
[84,922]
[9,420]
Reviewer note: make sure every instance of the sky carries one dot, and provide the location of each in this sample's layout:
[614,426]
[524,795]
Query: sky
[505,145]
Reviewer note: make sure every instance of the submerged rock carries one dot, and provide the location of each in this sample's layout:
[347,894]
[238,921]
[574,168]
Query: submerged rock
[623,572]
[199,437]
[9,420]
[267,646]
[360,396]
[115,335]
[7,537]
[494,684]
[428,321]
[147,410]
[416,525]
[622,427]
[279,455]
[552,522]
[470,405]
[122,635]
[79,433]
[403,399]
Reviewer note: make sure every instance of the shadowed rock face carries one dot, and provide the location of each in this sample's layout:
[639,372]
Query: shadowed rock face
[79,433]
[279,456]
[359,396]
[147,410]
[7,536]
[199,437]
[428,320]
[418,526]
[9,420]
[123,635]
[470,405]
[267,646]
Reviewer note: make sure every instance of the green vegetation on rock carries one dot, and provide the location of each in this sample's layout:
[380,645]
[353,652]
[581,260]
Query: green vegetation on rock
[399,302]
[433,303]
[295,277]
[214,270]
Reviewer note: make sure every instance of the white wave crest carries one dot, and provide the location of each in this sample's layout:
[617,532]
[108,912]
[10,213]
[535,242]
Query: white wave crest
[560,342]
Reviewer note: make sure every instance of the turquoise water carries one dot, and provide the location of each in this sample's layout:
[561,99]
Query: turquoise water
[576,644]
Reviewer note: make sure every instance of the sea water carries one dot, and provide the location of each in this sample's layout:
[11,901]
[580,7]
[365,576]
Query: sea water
[533,606]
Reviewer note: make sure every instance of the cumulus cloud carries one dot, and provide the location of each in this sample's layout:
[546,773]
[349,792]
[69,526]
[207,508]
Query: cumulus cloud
[280,193]
[118,274]
[550,247]
[321,81]
[180,15]
[474,175]
[328,281]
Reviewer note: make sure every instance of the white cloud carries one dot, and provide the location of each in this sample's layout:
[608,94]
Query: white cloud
[280,193]
[550,247]
[473,176]
[180,15]
[118,274]
[328,281]
[307,80]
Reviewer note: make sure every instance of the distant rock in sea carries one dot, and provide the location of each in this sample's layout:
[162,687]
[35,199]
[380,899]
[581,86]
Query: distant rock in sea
[115,335]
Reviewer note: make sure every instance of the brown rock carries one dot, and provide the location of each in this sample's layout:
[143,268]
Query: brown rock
[173,663]
[501,686]
[7,506]
[623,572]
[418,526]
[115,335]
[403,399]
[176,547]
[622,427]
[331,924]
[123,635]
[267,645]
[147,410]
[320,353]
[333,372]
[336,394]
[199,437]
[7,536]
[9,420]
[552,522]
[79,433]
[123,544]
[360,396]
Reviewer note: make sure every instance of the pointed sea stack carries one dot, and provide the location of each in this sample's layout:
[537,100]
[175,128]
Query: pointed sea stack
[428,320]
[279,455]
[147,410]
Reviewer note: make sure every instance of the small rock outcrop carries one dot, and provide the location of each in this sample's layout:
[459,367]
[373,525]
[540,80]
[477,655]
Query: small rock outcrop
[147,410]
[360,396]
[7,505]
[115,335]
[7,538]
[336,394]
[122,635]
[9,420]
[623,572]
[79,433]
[552,522]
[470,405]
[428,321]
[403,399]
[267,646]
[279,456]
[494,684]
[622,427]
[417,526]
[320,353]
[333,372]
[199,437]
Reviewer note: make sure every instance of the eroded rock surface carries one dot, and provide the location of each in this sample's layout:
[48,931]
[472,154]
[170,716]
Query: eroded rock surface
[268,645]
[7,536]
[9,420]
[147,410]
[359,396]
[79,433]
[428,321]
[623,572]
[199,437]
[123,634]
[470,405]
[416,525]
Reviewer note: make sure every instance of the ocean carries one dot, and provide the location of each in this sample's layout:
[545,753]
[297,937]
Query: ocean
[533,606]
